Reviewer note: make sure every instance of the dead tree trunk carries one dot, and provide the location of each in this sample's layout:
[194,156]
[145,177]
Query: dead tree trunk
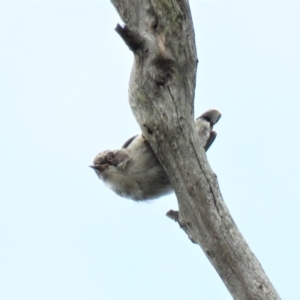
[160,33]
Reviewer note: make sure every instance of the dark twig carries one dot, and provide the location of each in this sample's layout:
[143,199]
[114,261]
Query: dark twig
[132,39]
[173,214]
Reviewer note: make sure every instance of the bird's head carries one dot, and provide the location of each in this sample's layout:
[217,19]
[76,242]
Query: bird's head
[109,161]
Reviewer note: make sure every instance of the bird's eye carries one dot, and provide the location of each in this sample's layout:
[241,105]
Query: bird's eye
[109,158]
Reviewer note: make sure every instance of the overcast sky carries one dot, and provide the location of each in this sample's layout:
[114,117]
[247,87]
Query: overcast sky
[64,76]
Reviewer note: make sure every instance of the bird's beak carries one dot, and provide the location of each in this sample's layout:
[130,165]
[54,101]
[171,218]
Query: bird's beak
[99,167]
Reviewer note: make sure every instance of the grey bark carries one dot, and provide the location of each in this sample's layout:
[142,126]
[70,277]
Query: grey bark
[160,33]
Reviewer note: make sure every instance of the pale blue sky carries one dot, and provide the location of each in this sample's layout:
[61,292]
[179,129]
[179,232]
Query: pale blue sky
[64,76]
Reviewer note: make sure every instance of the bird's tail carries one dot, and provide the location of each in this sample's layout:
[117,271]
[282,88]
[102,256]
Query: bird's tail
[204,126]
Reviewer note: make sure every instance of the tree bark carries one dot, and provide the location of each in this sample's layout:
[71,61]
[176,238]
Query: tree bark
[161,93]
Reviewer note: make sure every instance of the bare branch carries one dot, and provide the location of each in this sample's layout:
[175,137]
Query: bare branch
[161,95]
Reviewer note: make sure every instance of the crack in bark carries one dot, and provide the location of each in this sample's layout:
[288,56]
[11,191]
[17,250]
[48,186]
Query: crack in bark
[207,180]
[174,102]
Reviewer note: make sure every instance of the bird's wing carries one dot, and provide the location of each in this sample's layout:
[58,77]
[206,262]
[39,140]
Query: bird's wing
[210,140]
[127,143]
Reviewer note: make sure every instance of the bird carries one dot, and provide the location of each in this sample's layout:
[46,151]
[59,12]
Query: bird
[134,171]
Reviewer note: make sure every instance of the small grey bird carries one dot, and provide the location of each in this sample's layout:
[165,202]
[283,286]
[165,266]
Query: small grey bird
[134,171]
